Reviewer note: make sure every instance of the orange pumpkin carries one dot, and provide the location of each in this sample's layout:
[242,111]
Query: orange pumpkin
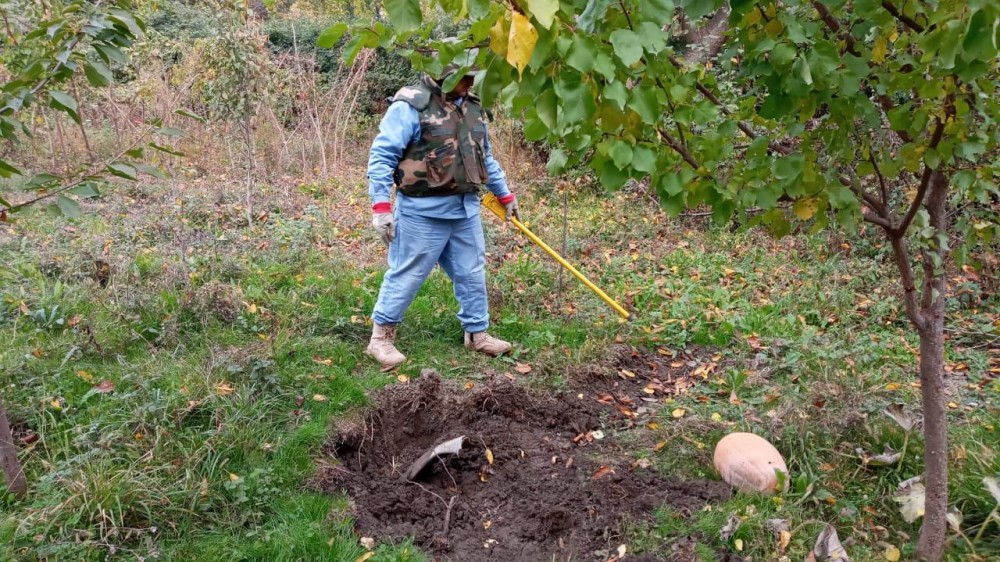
[749,463]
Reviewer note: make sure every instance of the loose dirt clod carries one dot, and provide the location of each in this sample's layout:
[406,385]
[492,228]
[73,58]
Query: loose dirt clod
[520,489]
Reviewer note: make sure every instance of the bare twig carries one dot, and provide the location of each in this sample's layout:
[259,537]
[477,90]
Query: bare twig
[835,27]
[906,20]
[924,182]
[447,516]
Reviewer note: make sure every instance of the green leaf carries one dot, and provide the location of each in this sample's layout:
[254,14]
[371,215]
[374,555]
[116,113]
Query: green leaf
[111,53]
[582,54]
[621,153]
[167,149]
[41,180]
[980,35]
[801,68]
[576,100]
[169,131]
[605,66]
[695,9]
[617,93]
[557,162]
[652,38]
[331,35]
[185,113]
[627,46]
[64,102]
[132,25]
[98,73]
[478,9]
[547,108]
[782,54]
[68,207]
[86,191]
[659,12]
[644,159]
[404,14]
[151,170]
[593,14]
[544,11]
[122,170]
[645,102]
[610,176]
[534,128]
[788,167]
[7,170]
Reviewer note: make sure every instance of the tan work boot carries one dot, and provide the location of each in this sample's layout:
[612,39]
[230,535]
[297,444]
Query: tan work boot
[485,343]
[383,347]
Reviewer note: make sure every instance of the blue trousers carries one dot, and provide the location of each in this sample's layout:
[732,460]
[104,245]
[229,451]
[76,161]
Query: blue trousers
[421,243]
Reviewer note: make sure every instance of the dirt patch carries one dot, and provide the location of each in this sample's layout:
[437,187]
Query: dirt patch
[538,478]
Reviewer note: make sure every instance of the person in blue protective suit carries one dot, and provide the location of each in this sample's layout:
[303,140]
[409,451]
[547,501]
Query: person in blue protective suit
[434,147]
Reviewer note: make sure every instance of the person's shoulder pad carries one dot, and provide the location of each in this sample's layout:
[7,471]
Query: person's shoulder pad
[418,97]
[486,111]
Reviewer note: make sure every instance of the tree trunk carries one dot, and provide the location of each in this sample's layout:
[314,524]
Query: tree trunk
[12,471]
[933,533]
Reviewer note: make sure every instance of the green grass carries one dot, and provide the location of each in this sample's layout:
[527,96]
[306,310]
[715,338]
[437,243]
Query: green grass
[229,362]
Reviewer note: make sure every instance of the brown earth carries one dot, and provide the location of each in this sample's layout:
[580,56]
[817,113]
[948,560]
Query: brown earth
[559,487]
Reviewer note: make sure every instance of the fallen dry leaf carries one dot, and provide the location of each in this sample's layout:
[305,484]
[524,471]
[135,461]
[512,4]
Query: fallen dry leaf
[319,398]
[320,361]
[85,375]
[733,523]
[828,547]
[365,556]
[659,446]
[522,368]
[905,420]
[910,498]
[489,456]
[678,413]
[891,553]
[602,472]
[368,543]
[224,389]
[104,387]
[605,398]
[403,379]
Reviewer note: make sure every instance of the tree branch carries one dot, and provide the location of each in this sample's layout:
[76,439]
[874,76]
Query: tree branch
[906,279]
[906,20]
[924,183]
[835,27]
[683,152]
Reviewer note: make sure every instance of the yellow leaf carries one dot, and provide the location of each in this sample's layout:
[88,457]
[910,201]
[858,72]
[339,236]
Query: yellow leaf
[893,386]
[678,413]
[365,556]
[716,417]
[738,543]
[891,553]
[55,404]
[774,27]
[952,405]
[521,44]
[489,456]
[880,50]
[233,477]
[783,539]
[403,379]
[805,208]
[319,398]
[85,375]
[252,309]
[499,36]
[653,425]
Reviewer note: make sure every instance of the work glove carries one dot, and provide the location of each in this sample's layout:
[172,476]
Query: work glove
[383,223]
[510,204]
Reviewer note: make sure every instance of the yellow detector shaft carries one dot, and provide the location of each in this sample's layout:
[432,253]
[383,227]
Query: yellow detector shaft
[493,204]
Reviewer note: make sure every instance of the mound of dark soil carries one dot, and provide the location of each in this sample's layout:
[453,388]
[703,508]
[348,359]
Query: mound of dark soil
[536,479]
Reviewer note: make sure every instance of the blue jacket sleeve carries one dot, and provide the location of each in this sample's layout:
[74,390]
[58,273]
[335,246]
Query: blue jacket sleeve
[399,127]
[497,183]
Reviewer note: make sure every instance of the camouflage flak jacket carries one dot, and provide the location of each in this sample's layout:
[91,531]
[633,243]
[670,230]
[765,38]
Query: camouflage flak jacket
[450,156]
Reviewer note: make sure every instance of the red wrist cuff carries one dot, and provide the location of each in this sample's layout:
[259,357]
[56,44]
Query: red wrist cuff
[384,207]
[506,198]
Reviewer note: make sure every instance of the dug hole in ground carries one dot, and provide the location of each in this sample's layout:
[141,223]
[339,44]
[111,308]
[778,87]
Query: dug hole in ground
[542,475]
